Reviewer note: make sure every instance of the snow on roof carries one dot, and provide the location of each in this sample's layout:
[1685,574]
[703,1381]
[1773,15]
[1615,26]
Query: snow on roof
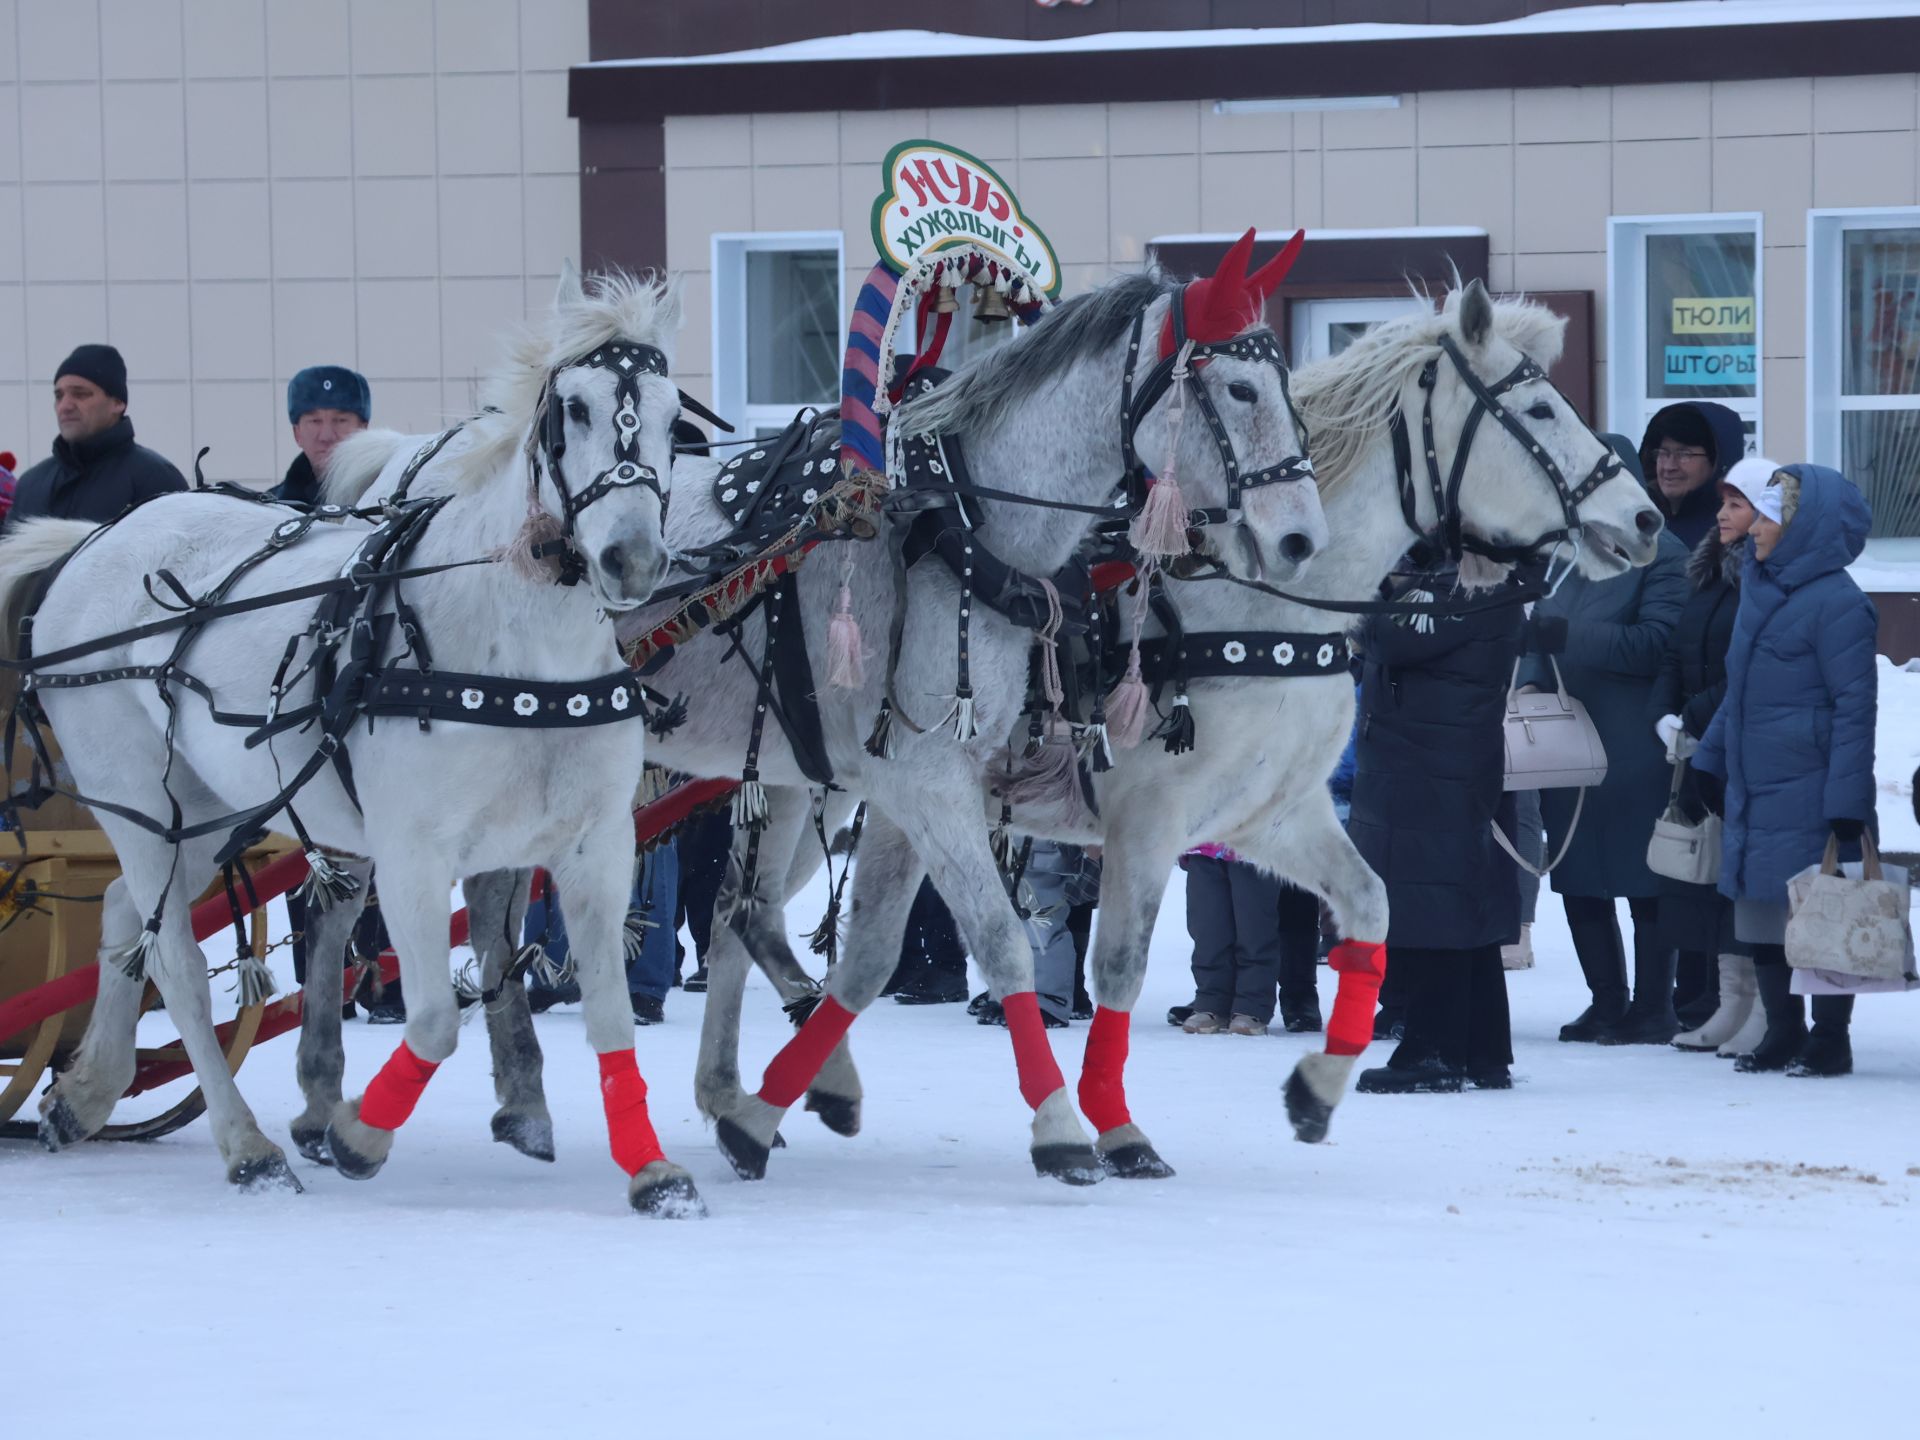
[932,44]
[1396,232]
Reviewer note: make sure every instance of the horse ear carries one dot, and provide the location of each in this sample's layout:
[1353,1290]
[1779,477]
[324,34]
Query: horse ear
[568,292]
[1264,281]
[1476,314]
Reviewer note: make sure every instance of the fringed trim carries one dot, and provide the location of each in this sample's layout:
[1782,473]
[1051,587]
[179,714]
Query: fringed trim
[965,726]
[133,957]
[666,718]
[800,1009]
[327,883]
[547,973]
[750,806]
[1096,744]
[254,982]
[633,935]
[827,935]
[1178,729]
[880,741]
[1422,623]
[466,983]
[1000,841]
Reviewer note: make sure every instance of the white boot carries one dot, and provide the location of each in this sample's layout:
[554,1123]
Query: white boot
[1737,1001]
[1520,956]
[1753,1028]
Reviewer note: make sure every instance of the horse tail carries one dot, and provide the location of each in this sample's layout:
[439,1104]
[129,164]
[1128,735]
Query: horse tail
[31,547]
[356,463]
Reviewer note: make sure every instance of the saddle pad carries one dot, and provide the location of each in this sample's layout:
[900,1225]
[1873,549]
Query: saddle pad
[768,489]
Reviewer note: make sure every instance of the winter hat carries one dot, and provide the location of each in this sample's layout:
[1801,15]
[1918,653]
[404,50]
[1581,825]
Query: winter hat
[328,387]
[99,365]
[1753,478]
[1682,424]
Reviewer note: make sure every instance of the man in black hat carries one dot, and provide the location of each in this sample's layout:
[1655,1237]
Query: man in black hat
[325,405]
[96,472]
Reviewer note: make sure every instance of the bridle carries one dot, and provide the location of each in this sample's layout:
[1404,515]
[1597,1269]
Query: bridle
[628,360]
[1180,368]
[1446,493]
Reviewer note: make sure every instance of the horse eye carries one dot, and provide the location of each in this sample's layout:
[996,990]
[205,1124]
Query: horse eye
[577,411]
[1241,391]
[1540,410]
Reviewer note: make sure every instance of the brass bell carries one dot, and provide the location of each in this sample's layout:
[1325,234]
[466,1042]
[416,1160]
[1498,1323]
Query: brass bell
[989,305]
[944,302]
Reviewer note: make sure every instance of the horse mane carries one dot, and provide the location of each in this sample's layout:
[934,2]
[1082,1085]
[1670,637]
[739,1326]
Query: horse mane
[989,388]
[1345,401]
[609,305]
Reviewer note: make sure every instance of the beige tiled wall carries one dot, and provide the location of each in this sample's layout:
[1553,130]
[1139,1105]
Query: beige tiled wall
[1540,170]
[229,190]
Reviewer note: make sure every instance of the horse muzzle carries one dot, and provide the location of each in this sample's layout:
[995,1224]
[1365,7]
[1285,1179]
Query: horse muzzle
[627,572]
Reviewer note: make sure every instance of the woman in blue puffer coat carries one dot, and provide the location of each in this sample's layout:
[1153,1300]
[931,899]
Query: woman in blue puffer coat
[1793,739]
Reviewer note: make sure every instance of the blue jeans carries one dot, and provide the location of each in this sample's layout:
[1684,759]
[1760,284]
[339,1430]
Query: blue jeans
[655,892]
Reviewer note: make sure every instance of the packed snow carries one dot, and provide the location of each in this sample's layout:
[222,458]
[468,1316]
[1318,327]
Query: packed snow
[1631,1242]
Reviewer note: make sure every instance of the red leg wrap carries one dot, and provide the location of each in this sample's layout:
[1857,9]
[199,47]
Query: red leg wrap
[394,1092]
[1039,1073]
[629,1131]
[1361,966]
[793,1069]
[1103,1094]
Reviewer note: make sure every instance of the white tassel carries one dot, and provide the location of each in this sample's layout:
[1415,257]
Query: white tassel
[633,935]
[1159,531]
[327,883]
[845,647]
[132,958]
[750,806]
[965,727]
[548,974]
[1422,623]
[254,982]
[880,740]
[466,983]
[1097,746]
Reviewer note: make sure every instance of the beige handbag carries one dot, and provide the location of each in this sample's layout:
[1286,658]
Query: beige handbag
[1851,919]
[1551,744]
[1682,849]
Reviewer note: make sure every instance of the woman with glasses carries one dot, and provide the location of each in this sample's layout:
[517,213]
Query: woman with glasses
[1687,449]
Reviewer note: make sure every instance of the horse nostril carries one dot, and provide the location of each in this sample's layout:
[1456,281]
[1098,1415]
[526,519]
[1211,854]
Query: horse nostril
[613,563]
[1650,522]
[1296,547]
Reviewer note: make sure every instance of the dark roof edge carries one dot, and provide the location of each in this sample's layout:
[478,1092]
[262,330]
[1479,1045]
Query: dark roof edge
[1345,67]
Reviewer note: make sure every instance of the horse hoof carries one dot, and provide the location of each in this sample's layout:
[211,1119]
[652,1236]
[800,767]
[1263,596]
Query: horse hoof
[59,1126]
[531,1135]
[1138,1161]
[666,1192]
[746,1155]
[836,1112]
[349,1161]
[311,1142]
[1069,1164]
[264,1174]
[1309,1114]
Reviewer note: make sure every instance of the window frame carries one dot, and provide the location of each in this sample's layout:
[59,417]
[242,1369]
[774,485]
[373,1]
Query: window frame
[1826,316]
[1629,402]
[729,250]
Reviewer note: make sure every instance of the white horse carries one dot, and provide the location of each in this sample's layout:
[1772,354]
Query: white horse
[569,458]
[1043,420]
[1256,778]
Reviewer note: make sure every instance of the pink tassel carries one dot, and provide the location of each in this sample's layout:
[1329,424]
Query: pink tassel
[1127,706]
[1159,531]
[845,648]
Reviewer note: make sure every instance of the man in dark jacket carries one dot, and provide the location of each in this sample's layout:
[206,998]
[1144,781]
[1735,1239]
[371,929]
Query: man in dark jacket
[1687,448]
[325,405]
[96,472]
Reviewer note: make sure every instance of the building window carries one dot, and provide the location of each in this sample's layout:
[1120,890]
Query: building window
[777,326]
[1322,328]
[1863,357]
[1685,321]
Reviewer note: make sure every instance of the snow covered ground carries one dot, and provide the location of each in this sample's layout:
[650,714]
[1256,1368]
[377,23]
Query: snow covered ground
[1631,1242]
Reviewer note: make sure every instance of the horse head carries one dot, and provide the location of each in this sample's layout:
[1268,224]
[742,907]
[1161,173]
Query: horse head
[1514,466]
[602,438]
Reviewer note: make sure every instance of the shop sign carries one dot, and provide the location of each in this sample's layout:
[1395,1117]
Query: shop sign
[936,197]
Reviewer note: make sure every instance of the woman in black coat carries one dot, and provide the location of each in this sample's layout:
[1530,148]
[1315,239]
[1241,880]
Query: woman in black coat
[1427,789]
[1697,920]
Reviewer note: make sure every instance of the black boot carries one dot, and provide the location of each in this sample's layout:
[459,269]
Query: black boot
[1696,988]
[1431,1076]
[1300,1012]
[1786,1014]
[1649,1019]
[1596,940]
[1829,1050]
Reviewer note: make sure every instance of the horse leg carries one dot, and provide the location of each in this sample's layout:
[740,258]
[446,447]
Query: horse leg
[321,1063]
[82,1097]
[1311,849]
[1133,883]
[594,883]
[496,914]
[413,901]
[836,1092]
[883,888]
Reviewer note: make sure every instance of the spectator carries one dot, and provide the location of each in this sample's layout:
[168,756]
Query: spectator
[932,969]
[1686,449]
[649,937]
[1429,786]
[325,404]
[1793,740]
[1083,898]
[704,844]
[96,472]
[1297,929]
[1233,915]
[1608,637]
[1697,919]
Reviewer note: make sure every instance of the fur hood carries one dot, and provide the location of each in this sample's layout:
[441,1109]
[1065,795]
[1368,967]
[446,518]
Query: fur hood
[1711,561]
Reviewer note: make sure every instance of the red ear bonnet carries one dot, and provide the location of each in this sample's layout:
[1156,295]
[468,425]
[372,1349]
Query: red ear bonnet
[1221,305]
